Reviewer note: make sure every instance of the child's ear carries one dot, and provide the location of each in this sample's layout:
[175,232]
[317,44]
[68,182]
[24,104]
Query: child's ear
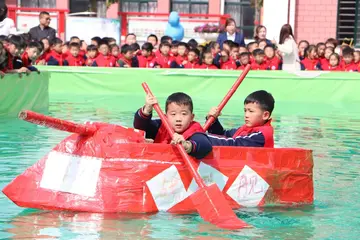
[192,117]
[266,115]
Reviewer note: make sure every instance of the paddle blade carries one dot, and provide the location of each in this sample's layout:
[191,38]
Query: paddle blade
[213,207]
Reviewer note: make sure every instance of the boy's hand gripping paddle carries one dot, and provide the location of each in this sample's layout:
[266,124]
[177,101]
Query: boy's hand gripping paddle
[208,200]
[227,97]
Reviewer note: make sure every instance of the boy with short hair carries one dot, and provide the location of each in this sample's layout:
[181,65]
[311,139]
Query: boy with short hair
[153,39]
[179,112]
[130,38]
[257,130]
[272,62]
[163,60]
[181,58]
[30,55]
[56,57]
[348,64]
[104,59]
[244,60]
[127,59]
[192,59]
[147,56]
[74,58]
[15,48]
[92,52]
[259,63]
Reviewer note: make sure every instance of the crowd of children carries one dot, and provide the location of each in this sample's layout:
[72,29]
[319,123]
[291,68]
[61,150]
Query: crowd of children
[19,54]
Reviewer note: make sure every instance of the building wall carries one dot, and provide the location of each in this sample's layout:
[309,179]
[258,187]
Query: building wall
[315,20]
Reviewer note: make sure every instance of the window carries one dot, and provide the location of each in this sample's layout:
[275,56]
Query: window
[190,6]
[38,3]
[357,25]
[80,6]
[139,6]
[244,15]
[348,21]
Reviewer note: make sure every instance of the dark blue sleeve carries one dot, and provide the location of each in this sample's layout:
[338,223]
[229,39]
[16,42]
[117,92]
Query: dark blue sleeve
[53,62]
[217,128]
[217,60]
[318,66]
[142,122]
[174,64]
[302,66]
[201,145]
[17,63]
[221,38]
[32,68]
[135,62]
[65,63]
[94,64]
[255,139]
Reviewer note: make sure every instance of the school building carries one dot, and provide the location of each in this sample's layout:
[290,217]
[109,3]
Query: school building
[313,20]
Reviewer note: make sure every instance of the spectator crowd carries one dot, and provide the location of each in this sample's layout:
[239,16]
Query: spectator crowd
[21,53]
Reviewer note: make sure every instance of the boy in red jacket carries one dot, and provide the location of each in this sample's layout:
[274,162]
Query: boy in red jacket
[348,57]
[146,59]
[259,60]
[91,54]
[257,130]
[272,62]
[179,112]
[163,60]
[192,59]
[226,62]
[30,55]
[104,59]
[244,60]
[127,57]
[73,58]
[56,57]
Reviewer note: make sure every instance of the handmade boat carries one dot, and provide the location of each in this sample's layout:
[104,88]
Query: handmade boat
[110,168]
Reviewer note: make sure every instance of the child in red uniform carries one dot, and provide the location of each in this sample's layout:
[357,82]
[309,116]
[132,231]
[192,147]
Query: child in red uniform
[226,62]
[215,48]
[45,53]
[303,44]
[272,62]
[181,58]
[259,61]
[227,45]
[334,63]
[325,61]
[348,57]
[56,57]
[30,55]
[320,51]
[244,60]
[179,112]
[15,48]
[153,39]
[174,49]
[74,58]
[115,51]
[193,59]
[357,57]
[262,44]
[310,62]
[104,59]
[130,38]
[147,56]
[207,60]
[91,54]
[257,130]
[127,60]
[136,49]
[163,60]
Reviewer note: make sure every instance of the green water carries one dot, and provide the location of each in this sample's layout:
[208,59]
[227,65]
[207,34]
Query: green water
[334,135]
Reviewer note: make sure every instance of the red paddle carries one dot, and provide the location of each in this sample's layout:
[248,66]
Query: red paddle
[56,123]
[208,200]
[227,97]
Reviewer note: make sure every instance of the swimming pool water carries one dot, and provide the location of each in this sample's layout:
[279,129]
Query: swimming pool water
[334,138]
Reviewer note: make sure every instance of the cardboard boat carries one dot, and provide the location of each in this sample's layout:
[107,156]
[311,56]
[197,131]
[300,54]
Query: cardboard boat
[114,170]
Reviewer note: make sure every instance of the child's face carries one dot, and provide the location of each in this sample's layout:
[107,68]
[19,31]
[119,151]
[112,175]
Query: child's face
[253,47]
[348,58]
[242,50]
[129,55]
[244,60]
[181,50]
[224,56]
[321,50]
[46,44]
[165,50]
[94,43]
[16,52]
[65,49]
[192,56]
[115,51]
[216,48]
[33,53]
[174,50]
[333,61]
[226,47]
[208,59]
[262,45]
[58,48]
[302,47]
[260,58]
[254,116]
[269,52]
[74,51]
[152,40]
[328,52]
[179,116]
[92,54]
[312,54]
[145,53]
[104,49]
[234,52]
[130,39]
[357,57]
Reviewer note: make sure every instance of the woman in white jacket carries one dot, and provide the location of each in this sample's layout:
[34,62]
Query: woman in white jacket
[288,48]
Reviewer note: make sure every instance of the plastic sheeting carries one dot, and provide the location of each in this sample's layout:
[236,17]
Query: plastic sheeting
[104,173]
[29,92]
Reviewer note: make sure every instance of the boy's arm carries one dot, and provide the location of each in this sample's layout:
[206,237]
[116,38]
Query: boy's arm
[201,145]
[217,128]
[32,68]
[255,139]
[143,122]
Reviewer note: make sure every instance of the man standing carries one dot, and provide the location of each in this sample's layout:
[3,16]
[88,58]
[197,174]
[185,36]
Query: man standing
[43,30]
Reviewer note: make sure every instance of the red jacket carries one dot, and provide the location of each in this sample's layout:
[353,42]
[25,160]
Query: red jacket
[163,136]
[241,67]
[352,67]
[55,58]
[267,130]
[273,63]
[324,63]
[180,59]
[256,66]
[310,64]
[25,59]
[192,65]
[330,68]
[163,61]
[146,62]
[44,56]
[205,66]
[89,61]
[70,60]
[229,64]
[104,61]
